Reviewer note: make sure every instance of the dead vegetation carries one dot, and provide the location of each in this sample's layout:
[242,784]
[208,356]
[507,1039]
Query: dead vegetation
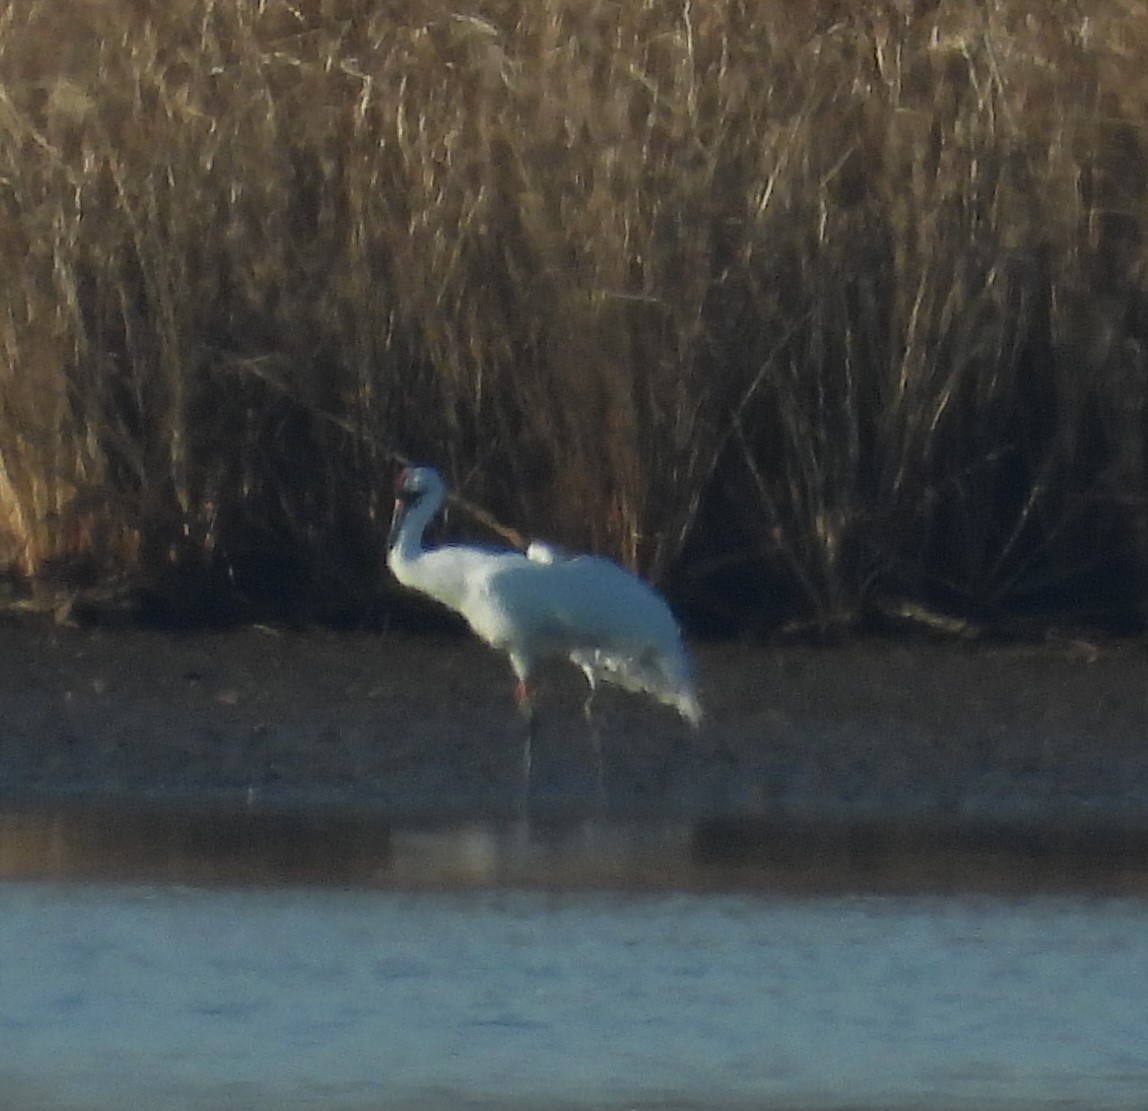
[814,312]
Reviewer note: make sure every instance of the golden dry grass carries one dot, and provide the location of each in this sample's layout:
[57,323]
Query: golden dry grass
[848,298]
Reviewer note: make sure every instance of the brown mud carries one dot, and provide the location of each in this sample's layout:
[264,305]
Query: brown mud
[852,757]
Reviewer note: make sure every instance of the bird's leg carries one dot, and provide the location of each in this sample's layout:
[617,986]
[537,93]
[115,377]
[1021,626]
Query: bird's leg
[526,709]
[595,738]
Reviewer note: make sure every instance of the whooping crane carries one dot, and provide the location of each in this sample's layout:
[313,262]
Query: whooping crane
[541,604]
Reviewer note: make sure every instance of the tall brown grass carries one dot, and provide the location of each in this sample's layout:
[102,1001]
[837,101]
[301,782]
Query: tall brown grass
[838,307]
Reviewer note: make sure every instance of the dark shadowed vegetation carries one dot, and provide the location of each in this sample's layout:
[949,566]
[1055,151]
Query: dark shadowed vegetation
[816,313]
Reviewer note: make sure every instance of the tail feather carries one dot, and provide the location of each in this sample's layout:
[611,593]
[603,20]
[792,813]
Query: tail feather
[652,677]
[690,708]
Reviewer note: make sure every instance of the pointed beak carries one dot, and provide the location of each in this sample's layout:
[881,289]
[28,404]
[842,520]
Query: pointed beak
[397,516]
[400,510]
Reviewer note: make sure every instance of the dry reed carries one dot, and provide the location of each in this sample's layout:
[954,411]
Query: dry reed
[842,301]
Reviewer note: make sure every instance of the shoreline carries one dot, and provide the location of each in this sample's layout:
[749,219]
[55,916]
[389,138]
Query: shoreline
[429,722]
[869,758]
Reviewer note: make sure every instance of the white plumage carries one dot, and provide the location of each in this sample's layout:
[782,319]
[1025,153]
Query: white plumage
[541,604]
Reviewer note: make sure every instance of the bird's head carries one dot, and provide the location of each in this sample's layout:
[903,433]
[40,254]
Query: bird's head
[414,483]
[413,486]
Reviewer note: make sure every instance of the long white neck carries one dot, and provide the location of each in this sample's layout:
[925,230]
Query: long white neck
[440,573]
[407,542]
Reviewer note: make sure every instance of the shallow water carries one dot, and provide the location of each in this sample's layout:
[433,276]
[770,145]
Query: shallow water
[203,841]
[178,998]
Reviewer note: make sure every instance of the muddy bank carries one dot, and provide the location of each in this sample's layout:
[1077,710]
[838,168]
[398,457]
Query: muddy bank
[270,756]
[428,724]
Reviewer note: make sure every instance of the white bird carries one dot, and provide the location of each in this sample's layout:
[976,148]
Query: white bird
[542,604]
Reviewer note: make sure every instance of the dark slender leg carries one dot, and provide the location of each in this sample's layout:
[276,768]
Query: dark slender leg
[595,743]
[526,708]
[528,755]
